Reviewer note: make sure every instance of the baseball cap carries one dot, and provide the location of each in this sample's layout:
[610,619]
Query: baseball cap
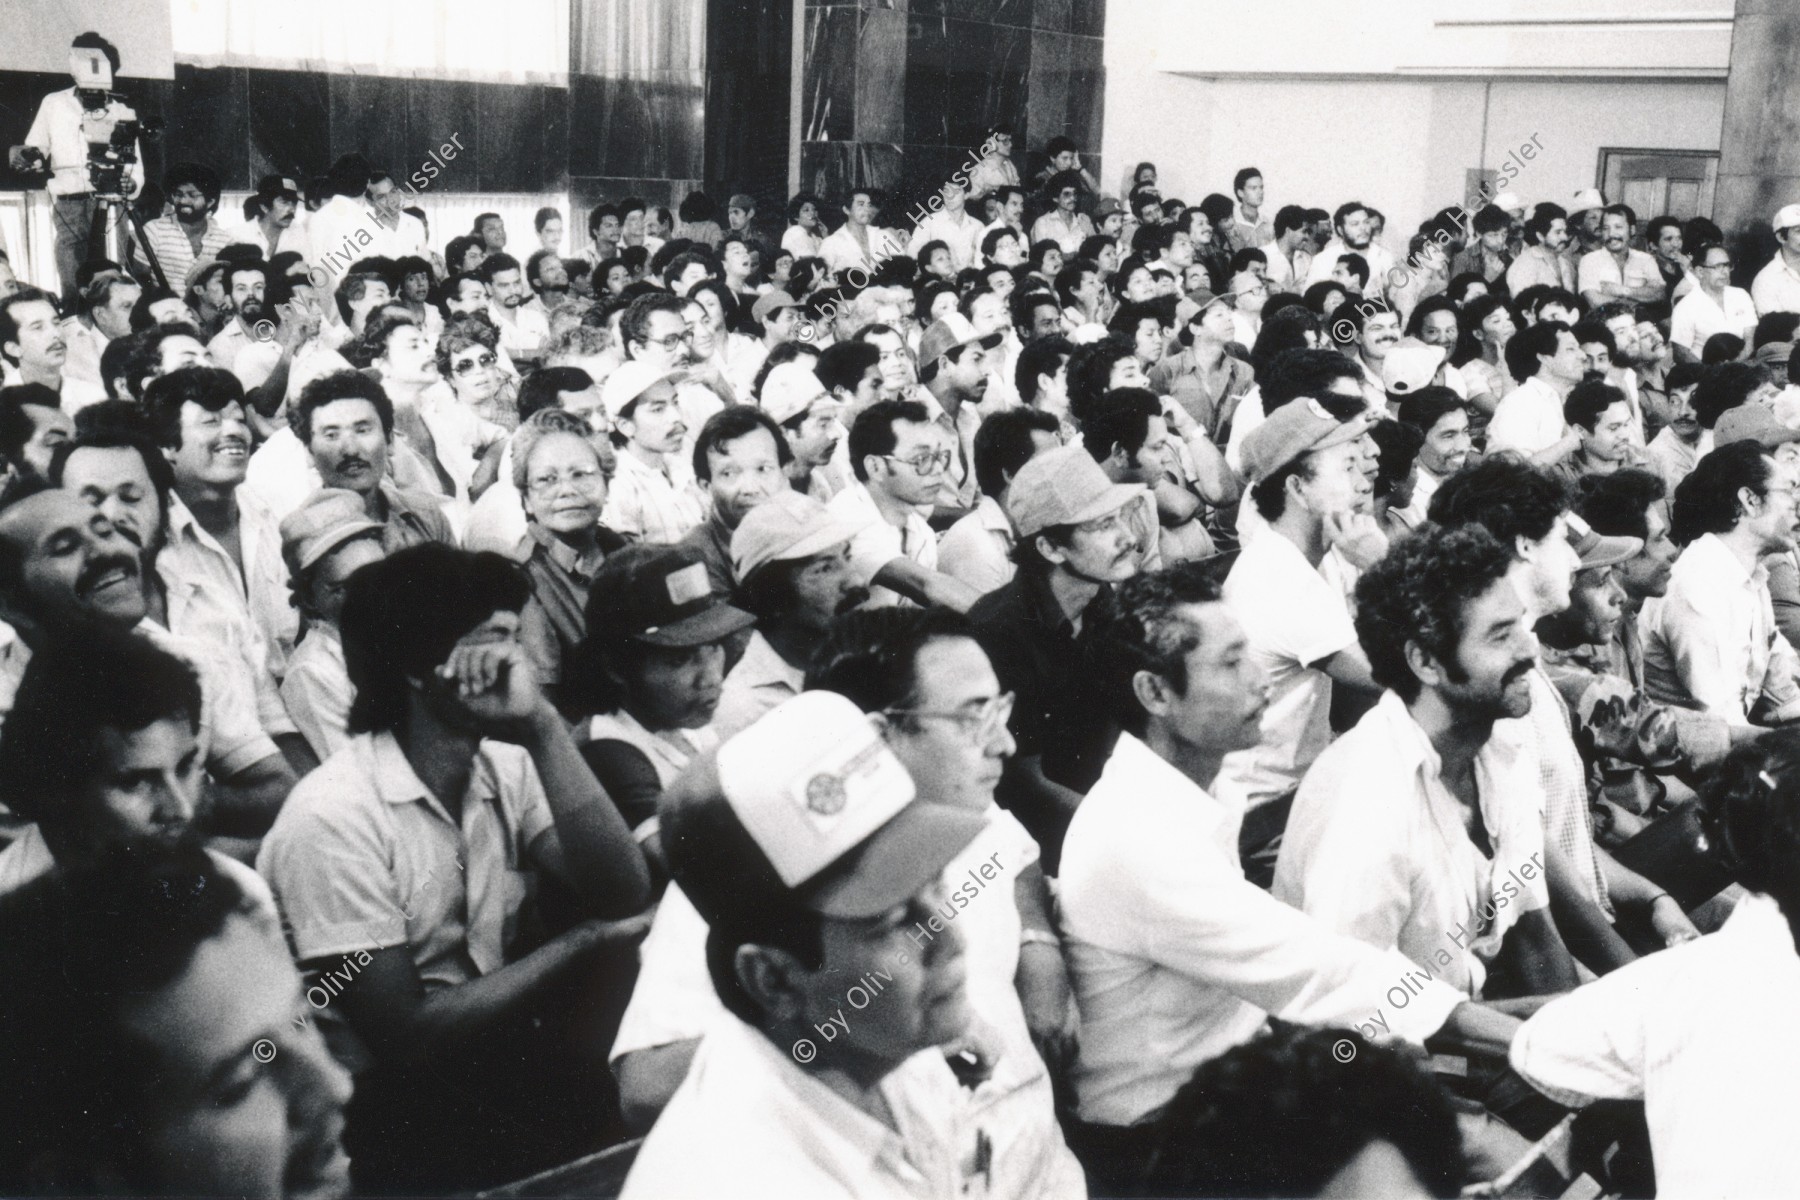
[769,302]
[1587,198]
[808,800]
[1598,550]
[786,526]
[661,596]
[1298,427]
[201,267]
[741,201]
[1407,368]
[324,521]
[790,390]
[947,333]
[1064,486]
[1786,217]
[1508,202]
[270,186]
[630,381]
[1753,422]
[1107,207]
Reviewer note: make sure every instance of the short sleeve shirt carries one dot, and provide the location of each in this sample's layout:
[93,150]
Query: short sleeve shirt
[363,857]
[878,543]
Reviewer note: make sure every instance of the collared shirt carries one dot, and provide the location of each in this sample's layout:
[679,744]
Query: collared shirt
[1284,271]
[1563,777]
[523,331]
[340,232]
[1293,619]
[57,131]
[251,359]
[758,684]
[801,242]
[175,250]
[413,519]
[363,857]
[1176,957]
[28,858]
[1673,458]
[85,346]
[1599,267]
[1703,1034]
[978,549]
[1476,259]
[317,691]
[292,238]
[960,487]
[647,505]
[1698,316]
[1067,232]
[555,621]
[1776,287]
[1214,402]
[1379,260]
[1378,847]
[842,251]
[1539,265]
[250,611]
[1528,419]
[1244,235]
[282,473]
[960,231]
[993,172]
[1711,642]
[878,543]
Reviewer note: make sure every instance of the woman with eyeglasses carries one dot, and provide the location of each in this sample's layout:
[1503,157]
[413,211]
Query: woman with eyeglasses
[468,357]
[562,486]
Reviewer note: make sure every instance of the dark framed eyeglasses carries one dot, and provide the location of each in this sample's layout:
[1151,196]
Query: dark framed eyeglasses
[480,363]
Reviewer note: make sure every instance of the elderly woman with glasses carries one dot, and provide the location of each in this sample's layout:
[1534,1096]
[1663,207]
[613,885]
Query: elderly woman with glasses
[562,486]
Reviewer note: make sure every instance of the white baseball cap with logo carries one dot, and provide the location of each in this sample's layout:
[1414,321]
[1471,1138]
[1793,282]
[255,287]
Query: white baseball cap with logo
[1786,217]
[790,390]
[811,795]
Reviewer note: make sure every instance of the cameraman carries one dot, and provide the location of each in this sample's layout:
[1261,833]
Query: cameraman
[57,135]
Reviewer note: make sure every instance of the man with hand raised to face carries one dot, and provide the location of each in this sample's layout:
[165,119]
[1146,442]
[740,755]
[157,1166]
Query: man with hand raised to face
[1305,465]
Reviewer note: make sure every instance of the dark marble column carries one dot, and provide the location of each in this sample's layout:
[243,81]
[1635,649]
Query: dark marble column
[1759,153]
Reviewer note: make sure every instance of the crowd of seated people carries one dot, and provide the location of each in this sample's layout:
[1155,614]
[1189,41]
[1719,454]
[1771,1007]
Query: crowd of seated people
[1068,694]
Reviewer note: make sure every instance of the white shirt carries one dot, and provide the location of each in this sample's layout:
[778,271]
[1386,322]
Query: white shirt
[57,131]
[841,251]
[523,330]
[1674,458]
[28,858]
[1711,642]
[760,682]
[1067,231]
[1176,957]
[1528,419]
[878,543]
[317,691]
[1698,316]
[978,549]
[646,505]
[801,242]
[1376,846]
[1379,260]
[1704,1034]
[960,231]
[1776,287]
[1292,619]
[1599,266]
[1283,271]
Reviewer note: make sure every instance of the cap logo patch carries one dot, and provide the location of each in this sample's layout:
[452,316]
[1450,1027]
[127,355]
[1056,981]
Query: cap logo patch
[825,794]
[687,585]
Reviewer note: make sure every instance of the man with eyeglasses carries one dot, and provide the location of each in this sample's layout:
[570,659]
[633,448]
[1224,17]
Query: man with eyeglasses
[899,456]
[1714,306]
[1776,287]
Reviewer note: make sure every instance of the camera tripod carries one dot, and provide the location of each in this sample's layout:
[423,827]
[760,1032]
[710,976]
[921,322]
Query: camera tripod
[107,236]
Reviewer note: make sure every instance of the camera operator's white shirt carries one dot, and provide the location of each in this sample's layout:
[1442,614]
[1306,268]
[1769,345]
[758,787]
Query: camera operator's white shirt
[56,130]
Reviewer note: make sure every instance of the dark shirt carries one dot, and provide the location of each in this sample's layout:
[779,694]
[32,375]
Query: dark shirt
[1056,716]
[554,624]
[712,542]
[414,518]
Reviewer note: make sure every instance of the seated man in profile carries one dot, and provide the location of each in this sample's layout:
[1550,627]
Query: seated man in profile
[153,1040]
[404,867]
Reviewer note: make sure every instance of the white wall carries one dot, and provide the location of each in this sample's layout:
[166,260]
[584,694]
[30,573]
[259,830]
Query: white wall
[1400,142]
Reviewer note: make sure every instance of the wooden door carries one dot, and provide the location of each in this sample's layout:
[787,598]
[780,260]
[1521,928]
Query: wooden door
[1677,183]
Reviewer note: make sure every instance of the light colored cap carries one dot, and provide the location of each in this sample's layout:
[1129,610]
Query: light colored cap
[808,799]
[1509,201]
[1786,217]
[1753,422]
[1087,333]
[947,333]
[786,526]
[770,302]
[1406,369]
[1298,427]
[790,390]
[1064,486]
[630,381]
[324,521]
[1587,198]
[1597,549]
